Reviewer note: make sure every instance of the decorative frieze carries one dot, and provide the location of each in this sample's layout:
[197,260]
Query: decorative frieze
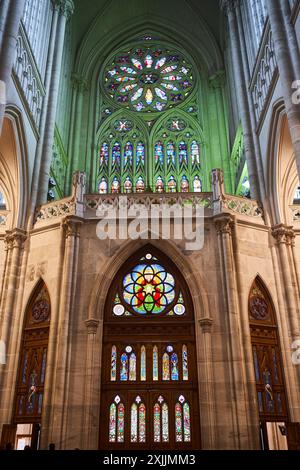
[28,78]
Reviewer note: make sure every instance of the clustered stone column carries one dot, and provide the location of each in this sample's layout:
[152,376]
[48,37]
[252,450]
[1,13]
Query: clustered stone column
[14,242]
[230,7]
[285,239]
[89,438]
[60,385]
[286,50]
[65,9]
[243,438]
[207,394]
[217,82]
[12,13]
[79,86]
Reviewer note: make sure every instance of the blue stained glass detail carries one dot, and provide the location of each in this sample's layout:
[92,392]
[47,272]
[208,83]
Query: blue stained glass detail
[43,368]
[279,403]
[116,154]
[260,402]
[124,367]
[140,153]
[182,154]
[24,374]
[174,367]
[159,153]
[256,365]
[128,154]
[171,155]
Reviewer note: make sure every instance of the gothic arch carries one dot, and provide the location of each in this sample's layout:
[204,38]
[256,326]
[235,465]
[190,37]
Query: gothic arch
[271,393]
[282,178]
[13,166]
[105,278]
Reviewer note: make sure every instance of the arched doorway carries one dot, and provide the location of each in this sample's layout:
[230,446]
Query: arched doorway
[149,396]
[267,360]
[29,394]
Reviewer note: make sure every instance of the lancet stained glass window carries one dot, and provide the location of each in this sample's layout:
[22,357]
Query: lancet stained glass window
[138,85]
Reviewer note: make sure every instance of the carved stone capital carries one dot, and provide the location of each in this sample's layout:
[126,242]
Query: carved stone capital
[92,326]
[224,224]
[65,7]
[15,238]
[71,227]
[283,234]
[79,83]
[217,80]
[206,324]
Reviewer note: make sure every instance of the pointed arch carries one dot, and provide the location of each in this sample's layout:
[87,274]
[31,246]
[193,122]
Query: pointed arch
[14,167]
[267,360]
[149,295]
[282,176]
[33,357]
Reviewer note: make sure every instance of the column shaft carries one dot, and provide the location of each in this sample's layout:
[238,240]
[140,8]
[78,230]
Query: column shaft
[8,50]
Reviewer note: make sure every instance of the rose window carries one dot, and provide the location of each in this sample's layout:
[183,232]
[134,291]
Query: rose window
[149,79]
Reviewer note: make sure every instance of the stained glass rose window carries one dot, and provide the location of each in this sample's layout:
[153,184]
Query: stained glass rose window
[148,78]
[148,288]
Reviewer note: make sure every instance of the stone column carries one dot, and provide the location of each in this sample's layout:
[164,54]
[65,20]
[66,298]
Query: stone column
[246,68]
[286,73]
[217,82]
[8,49]
[291,37]
[89,437]
[15,244]
[229,7]
[241,434]
[3,16]
[79,88]
[43,121]
[60,385]
[207,394]
[284,236]
[66,8]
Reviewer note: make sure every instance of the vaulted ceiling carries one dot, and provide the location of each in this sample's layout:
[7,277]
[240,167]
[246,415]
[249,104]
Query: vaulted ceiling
[86,11]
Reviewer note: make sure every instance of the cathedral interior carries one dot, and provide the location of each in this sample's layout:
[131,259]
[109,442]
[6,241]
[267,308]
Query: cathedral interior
[150,107]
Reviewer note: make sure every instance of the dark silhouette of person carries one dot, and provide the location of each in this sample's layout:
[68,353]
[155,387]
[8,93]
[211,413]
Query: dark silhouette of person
[52,446]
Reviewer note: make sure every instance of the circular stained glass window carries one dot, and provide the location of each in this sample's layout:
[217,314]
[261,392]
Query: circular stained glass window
[148,288]
[148,78]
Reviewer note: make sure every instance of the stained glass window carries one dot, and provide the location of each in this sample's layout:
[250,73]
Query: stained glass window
[124,367]
[185,370]
[148,288]
[174,366]
[186,423]
[143,363]
[142,423]
[134,423]
[166,367]
[155,363]
[132,367]
[178,422]
[112,422]
[165,423]
[121,417]
[143,82]
[156,422]
[148,78]
[113,370]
